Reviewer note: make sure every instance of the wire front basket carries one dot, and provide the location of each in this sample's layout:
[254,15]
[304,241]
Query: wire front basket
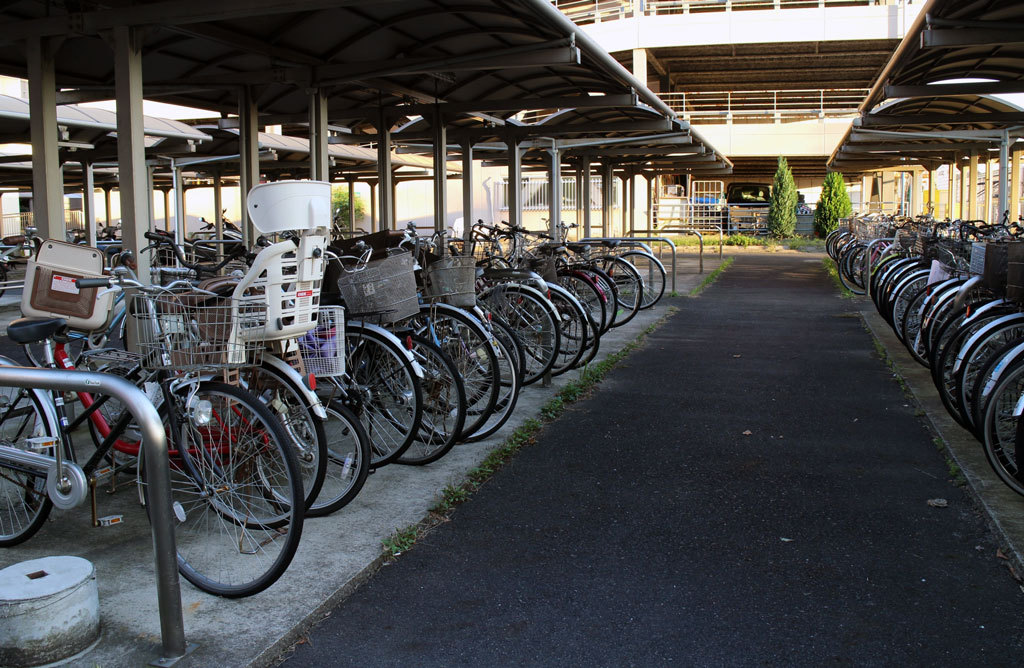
[323,348]
[452,280]
[384,289]
[192,331]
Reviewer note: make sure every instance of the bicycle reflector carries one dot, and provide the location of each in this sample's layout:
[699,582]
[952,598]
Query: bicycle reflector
[408,342]
[311,381]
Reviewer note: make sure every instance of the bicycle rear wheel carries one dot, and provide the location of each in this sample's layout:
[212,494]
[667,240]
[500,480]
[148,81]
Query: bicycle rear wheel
[236,492]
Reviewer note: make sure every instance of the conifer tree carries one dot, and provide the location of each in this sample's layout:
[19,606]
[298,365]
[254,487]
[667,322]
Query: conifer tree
[782,210]
[833,204]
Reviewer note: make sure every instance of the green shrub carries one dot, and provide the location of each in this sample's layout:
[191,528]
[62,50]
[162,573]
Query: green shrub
[833,205]
[339,206]
[782,210]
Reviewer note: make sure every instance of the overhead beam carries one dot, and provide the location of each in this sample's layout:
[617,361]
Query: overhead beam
[888,120]
[995,36]
[974,88]
[637,151]
[512,105]
[559,52]
[171,12]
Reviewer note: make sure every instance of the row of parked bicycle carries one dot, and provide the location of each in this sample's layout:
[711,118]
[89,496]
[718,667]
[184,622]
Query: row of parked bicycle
[953,292]
[287,372]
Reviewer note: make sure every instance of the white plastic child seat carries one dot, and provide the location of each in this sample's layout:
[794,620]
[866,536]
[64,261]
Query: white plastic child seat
[289,277]
[281,206]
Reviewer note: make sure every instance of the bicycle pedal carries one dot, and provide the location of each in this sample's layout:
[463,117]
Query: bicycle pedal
[110,520]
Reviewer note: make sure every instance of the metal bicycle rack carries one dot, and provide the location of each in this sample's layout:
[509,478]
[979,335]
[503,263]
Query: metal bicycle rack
[688,230]
[637,241]
[154,443]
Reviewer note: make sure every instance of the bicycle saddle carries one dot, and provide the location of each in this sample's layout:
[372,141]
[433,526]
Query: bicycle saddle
[33,330]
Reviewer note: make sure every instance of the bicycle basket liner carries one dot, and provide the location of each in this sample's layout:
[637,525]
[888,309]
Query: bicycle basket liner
[290,205]
[545,266]
[994,275]
[192,331]
[452,279]
[50,289]
[385,287]
[323,348]
[977,266]
[1015,272]
[287,278]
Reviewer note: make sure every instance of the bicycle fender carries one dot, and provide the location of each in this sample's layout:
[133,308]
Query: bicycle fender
[289,371]
[398,342]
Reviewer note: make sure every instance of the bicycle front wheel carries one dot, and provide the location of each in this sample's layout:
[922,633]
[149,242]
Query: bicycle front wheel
[236,491]
[24,503]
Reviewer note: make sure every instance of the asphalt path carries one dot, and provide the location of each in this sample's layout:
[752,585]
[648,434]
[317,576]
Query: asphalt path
[749,488]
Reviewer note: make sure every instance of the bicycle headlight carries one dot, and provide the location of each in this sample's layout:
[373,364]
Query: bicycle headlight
[202,412]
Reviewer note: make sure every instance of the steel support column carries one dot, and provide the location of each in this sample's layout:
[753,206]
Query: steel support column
[986,215]
[515,183]
[248,156]
[133,176]
[319,156]
[351,204]
[218,205]
[467,191]
[607,192]
[554,192]
[47,181]
[1004,174]
[586,197]
[106,204]
[971,183]
[89,202]
[440,171]
[386,209]
[373,206]
[1014,174]
[179,203]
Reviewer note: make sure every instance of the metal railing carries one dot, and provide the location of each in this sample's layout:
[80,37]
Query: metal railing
[154,444]
[590,11]
[751,105]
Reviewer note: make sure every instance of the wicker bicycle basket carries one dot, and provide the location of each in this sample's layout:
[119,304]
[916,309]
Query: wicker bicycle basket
[323,348]
[197,332]
[452,280]
[384,289]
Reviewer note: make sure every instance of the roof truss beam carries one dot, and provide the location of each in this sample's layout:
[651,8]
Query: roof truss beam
[887,120]
[976,88]
[555,52]
[170,12]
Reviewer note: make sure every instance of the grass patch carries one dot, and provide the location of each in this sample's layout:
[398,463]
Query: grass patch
[955,473]
[833,271]
[746,241]
[710,278]
[526,434]
[401,540]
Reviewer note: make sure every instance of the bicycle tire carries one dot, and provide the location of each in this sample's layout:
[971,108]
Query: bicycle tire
[574,324]
[305,430]
[444,405]
[653,273]
[510,385]
[629,287]
[384,390]
[1003,429]
[348,460]
[236,493]
[24,502]
[463,337]
[534,320]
